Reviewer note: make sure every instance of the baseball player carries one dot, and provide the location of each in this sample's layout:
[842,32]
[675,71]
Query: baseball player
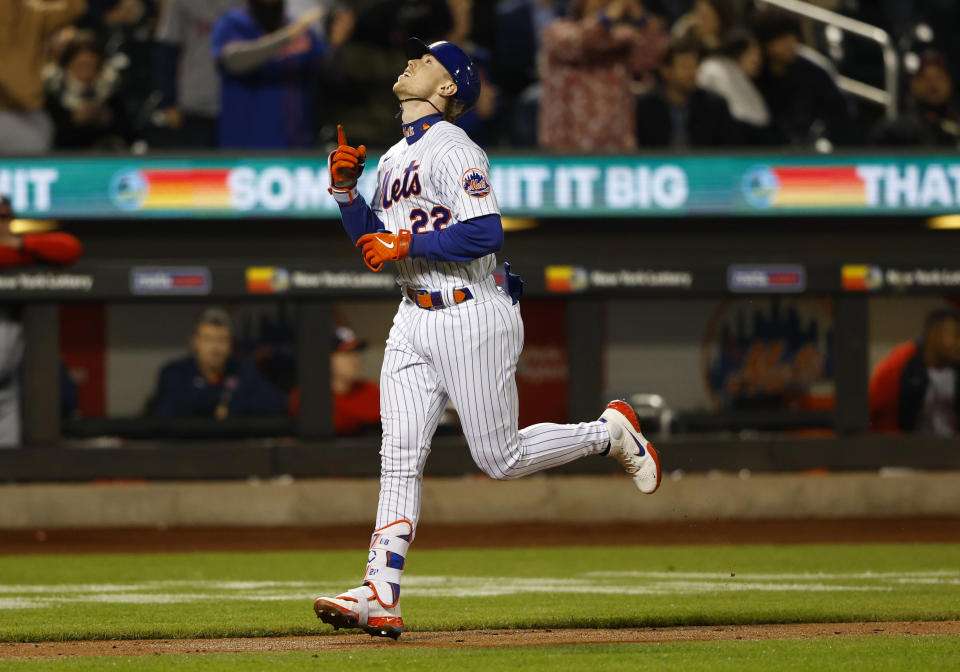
[456,336]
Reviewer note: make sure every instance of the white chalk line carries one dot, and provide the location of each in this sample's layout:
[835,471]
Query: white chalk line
[932,575]
[945,576]
[32,596]
[149,585]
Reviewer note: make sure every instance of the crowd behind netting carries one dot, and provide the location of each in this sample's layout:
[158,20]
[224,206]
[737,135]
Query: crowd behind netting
[562,75]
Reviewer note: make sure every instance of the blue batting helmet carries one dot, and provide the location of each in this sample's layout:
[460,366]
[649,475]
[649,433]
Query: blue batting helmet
[462,70]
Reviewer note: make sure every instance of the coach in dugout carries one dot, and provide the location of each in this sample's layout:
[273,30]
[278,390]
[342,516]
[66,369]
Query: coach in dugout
[211,383]
[916,386]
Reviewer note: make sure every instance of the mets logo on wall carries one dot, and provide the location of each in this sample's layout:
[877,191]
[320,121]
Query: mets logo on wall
[475,183]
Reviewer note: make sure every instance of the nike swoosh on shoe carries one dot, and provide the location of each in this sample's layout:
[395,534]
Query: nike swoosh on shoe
[640,451]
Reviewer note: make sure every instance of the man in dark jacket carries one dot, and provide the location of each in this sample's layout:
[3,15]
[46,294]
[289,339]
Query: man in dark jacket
[211,383]
[931,116]
[804,100]
[932,101]
[678,113]
[916,387]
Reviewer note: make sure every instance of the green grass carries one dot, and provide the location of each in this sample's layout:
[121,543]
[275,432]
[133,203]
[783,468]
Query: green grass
[191,595]
[875,653]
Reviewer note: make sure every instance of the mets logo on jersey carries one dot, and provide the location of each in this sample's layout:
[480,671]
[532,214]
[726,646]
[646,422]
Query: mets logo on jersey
[475,183]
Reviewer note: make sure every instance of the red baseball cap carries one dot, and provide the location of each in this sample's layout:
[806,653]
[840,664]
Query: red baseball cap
[345,340]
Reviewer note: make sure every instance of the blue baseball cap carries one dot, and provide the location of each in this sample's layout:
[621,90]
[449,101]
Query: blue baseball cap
[462,70]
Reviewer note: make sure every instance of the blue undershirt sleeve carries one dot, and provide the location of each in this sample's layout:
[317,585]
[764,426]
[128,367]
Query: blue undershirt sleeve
[466,241]
[358,219]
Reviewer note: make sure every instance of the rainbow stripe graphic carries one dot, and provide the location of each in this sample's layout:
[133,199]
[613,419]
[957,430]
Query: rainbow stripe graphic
[808,187]
[186,189]
[819,186]
[267,279]
[861,277]
[565,279]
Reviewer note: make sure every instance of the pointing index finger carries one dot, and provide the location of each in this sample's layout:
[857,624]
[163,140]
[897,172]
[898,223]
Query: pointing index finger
[341,136]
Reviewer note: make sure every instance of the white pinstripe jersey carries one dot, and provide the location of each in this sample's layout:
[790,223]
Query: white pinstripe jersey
[438,181]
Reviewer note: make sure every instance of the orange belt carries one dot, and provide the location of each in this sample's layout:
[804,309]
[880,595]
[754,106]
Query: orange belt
[430,300]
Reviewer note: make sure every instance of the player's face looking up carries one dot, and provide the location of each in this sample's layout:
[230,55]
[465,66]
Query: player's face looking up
[424,77]
[211,347]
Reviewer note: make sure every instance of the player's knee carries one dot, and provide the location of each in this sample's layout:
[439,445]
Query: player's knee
[501,471]
[501,463]
[511,472]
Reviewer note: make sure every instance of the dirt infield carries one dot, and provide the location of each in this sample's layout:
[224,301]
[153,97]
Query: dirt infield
[474,638]
[899,530]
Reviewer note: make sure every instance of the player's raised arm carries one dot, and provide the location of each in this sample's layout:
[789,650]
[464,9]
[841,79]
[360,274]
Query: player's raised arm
[346,164]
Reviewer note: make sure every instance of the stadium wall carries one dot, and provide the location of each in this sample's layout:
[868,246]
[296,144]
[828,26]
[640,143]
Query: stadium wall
[583,499]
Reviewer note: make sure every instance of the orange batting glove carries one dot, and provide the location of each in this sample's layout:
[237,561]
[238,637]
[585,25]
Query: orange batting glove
[379,248]
[346,165]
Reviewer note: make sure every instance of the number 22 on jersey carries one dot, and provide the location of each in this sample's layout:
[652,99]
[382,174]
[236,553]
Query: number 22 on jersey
[437,220]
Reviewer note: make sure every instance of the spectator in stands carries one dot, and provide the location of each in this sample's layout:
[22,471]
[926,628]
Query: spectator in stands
[932,101]
[518,38]
[83,99]
[267,67]
[210,382]
[708,23]
[187,76]
[730,73]
[363,72]
[931,116]
[914,388]
[301,7]
[590,60]
[677,113]
[482,122]
[25,127]
[128,29]
[106,14]
[25,250]
[804,100]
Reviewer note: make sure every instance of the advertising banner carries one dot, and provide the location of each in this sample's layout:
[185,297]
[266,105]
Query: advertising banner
[526,186]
